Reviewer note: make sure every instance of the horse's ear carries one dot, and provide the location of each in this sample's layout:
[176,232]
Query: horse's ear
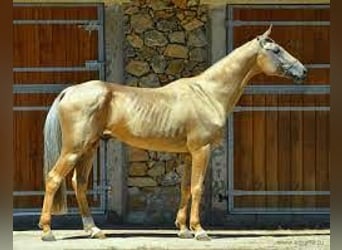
[268,31]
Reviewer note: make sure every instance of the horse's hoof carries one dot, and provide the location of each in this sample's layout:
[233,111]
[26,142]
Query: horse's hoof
[185,234]
[48,236]
[97,234]
[202,236]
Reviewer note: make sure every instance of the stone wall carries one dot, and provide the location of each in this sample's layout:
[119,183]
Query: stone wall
[164,41]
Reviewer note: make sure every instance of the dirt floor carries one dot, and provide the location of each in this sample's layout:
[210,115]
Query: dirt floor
[167,240]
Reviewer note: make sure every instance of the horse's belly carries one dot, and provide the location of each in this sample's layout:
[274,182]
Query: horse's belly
[155,143]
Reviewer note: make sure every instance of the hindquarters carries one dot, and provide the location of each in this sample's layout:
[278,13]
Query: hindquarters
[72,129]
[83,113]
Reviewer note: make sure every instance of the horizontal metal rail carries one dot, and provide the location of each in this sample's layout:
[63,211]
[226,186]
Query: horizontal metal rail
[52,69]
[237,23]
[253,210]
[250,89]
[283,192]
[37,211]
[318,66]
[281,6]
[96,190]
[287,89]
[55,21]
[278,108]
[30,108]
[63,4]
[38,88]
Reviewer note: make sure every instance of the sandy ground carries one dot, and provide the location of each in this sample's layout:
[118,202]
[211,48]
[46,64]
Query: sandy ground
[167,240]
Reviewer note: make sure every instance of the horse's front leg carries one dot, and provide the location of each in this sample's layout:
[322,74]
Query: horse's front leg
[180,222]
[80,183]
[200,159]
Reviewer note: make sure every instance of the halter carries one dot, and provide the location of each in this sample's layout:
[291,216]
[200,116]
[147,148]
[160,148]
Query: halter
[260,38]
[287,69]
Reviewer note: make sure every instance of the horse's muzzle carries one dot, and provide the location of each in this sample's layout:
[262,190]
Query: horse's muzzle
[298,73]
[299,79]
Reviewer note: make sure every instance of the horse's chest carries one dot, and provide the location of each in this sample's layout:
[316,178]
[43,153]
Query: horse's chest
[206,131]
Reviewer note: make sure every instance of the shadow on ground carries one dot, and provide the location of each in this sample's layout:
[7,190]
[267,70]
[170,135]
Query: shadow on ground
[221,235]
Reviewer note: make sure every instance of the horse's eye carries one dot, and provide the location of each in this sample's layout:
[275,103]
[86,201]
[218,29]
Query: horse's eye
[276,50]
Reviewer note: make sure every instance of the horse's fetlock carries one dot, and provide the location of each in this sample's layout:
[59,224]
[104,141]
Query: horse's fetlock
[181,218]
[88,223]
[44,222]
[195,225]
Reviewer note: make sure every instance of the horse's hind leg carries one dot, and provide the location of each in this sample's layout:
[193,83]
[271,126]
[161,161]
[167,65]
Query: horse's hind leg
[63,166]
[80,183]
[181,218]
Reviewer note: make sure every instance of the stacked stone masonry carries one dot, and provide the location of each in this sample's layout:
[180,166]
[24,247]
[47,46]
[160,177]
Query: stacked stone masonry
[164,41]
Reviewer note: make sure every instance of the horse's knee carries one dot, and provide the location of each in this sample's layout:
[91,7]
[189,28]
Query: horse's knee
[72,158]
[53,182]
[196,190]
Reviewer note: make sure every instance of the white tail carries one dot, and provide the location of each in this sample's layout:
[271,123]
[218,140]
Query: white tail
[52,150]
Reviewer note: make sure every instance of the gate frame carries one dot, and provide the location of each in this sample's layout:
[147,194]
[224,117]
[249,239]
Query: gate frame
[271,89]
[100,187]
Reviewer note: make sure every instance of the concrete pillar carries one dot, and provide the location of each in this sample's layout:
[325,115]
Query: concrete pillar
[115,152]
[219,185]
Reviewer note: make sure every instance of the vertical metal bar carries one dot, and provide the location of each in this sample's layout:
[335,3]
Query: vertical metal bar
[102,76]
[230,162]
[95,187]
[103,183]
[100,40]
[230,24]
[230,125]
[100,72]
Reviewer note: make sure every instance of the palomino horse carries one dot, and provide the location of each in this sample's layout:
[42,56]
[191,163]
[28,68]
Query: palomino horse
[186,116]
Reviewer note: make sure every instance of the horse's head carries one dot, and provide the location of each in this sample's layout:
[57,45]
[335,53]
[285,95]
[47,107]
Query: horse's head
[275,60]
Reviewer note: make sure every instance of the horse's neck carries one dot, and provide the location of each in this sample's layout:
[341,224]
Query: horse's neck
[226,79]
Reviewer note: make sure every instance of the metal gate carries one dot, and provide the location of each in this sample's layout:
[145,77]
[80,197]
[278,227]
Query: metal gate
[55,46]
[282,16]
